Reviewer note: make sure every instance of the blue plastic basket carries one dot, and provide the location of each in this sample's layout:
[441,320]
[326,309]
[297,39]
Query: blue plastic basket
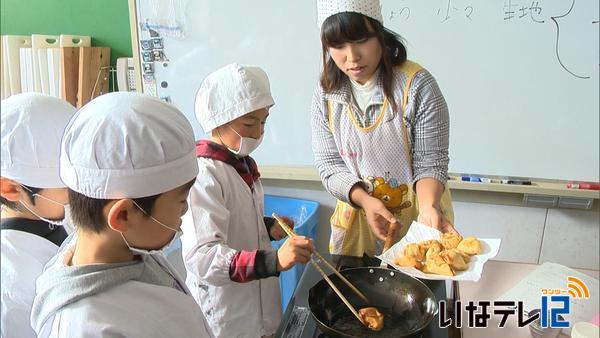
[305,215]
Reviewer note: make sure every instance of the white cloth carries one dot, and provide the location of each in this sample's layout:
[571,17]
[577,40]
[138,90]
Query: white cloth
[226,216]
[127,145]
[327,8]
[231,92]
[363,94]
[32,127]
[23,256]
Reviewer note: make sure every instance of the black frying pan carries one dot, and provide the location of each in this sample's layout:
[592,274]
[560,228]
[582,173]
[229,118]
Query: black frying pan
[408,304]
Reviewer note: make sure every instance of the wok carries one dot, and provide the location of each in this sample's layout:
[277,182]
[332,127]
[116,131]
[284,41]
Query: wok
[407,303]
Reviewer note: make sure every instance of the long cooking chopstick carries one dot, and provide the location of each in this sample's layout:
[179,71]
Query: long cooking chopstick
[352,309]
[291,233]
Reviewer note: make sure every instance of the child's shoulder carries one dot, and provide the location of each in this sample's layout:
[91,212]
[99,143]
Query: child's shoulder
[213,168]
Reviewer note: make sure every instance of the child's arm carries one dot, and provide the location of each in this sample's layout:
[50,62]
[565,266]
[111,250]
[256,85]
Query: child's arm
[247,266]
[205,250]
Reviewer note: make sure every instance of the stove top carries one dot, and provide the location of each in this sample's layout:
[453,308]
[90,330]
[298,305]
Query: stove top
[298,322]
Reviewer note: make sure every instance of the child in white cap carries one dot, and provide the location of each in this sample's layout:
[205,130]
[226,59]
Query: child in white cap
[380,131]
[34,201]
[231,267]
[129,162]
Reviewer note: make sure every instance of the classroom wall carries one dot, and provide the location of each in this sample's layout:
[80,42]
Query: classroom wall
[107,21]
[529,235]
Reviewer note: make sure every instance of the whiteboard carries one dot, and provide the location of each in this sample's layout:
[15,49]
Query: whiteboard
[520,77]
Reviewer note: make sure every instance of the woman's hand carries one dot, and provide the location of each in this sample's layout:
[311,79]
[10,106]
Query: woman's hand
[378,216]
[433,217]
[429,194]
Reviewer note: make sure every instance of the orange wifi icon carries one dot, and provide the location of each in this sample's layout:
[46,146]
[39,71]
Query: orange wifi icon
[577,288]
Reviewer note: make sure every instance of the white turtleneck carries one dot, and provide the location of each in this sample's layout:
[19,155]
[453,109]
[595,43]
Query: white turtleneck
[363,94]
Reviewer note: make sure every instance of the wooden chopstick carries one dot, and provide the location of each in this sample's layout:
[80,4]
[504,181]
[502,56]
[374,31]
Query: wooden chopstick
[291,233]
[352,309]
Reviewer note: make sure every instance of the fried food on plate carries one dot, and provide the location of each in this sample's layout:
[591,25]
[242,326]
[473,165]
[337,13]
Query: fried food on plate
[408,261]
[447,256]
[414,250]
[455,259]
[450,240]
[432,243]
[436,264]
[433,251]
[470,246]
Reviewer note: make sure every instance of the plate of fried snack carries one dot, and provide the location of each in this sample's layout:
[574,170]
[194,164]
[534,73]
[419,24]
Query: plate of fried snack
[427,253]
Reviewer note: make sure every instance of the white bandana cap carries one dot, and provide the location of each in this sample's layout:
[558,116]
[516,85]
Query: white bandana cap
[231,92]
[32,127]
[127,145]
[327,8]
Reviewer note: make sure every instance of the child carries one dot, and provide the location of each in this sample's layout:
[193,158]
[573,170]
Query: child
[34,201]
[129,162]
[380,125]
[227,241]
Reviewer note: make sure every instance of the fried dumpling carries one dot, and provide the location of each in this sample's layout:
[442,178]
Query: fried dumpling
[431,243]
[436,264]
[434,250]
[450,240]
[455,259]
[408,261]
[470,246]
[414,250]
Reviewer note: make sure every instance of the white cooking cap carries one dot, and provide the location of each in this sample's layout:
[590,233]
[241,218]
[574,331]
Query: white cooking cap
[127,145]
[231,92]
[32,127]
[327,8]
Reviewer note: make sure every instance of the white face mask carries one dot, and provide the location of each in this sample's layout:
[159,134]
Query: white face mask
[162,250]
[66,222]
[247,144]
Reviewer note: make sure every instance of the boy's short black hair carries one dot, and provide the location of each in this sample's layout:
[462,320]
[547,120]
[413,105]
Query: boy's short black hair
[87,212]
[30,191]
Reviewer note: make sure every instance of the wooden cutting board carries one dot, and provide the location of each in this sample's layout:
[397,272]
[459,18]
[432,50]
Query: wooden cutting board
[94,63]
[39,44]
[69,74]
[12,45]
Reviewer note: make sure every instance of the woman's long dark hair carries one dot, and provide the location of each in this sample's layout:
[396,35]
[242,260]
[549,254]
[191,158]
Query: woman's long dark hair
[351,27]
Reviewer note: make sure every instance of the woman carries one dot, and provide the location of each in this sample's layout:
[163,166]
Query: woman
[380,127]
